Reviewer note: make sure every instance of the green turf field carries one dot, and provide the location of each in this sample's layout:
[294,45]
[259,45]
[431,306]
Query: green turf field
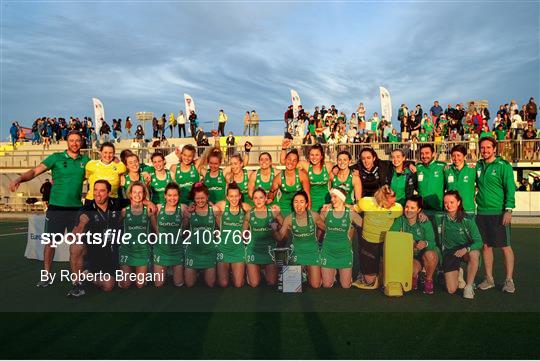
[261,323]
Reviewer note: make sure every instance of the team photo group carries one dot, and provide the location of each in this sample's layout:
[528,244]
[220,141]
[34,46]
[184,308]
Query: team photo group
[222,221]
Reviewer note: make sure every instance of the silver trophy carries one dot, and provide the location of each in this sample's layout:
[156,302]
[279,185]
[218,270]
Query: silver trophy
[280,255]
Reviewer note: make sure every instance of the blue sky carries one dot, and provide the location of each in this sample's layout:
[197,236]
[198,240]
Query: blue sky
[142,56]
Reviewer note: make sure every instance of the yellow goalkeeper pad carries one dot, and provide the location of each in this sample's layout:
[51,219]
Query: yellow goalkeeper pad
[398,263]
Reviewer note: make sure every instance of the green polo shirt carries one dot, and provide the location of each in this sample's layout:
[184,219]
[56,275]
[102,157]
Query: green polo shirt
[393,138]
[68,178]
[463,181]
[431,184]
[423,137]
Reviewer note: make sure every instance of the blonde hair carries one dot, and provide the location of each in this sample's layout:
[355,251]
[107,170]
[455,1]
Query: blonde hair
[382,194]
[140,184]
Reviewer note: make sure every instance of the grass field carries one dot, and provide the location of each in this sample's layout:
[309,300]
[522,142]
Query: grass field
[262,323]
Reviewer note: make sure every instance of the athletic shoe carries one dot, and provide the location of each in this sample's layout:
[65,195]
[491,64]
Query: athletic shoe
[486,284]
[461,281]
[304,277]
[509,286]
[46,283]
[468,292]
[361,283]
[414,283]
[76,291]
[428,287]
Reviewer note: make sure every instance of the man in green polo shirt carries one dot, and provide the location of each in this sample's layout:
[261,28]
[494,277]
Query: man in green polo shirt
[67,168]
[461,177]
[430,180]
[495,200]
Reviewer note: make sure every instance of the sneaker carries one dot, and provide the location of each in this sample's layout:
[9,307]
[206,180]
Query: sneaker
[428,287]
[361,283]
[44,283]
[468,292]
[415,283]
[76,291]
[486,284]
[461,280]
[509,286]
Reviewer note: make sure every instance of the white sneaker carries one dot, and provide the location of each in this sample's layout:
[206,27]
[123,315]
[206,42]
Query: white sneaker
[461,280]
[486,284]
[509,286]
[468,292]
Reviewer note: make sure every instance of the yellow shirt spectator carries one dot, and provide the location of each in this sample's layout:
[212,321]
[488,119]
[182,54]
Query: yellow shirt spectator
[96,169]
[377,220]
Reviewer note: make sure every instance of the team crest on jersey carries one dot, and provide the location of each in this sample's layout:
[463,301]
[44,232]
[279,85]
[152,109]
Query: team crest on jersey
[436,173]
[478,172]
[466,179]
[494,172]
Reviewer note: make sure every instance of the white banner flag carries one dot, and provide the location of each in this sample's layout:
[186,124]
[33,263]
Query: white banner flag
[99,114]
[386,104]
[190,104]
[295,98]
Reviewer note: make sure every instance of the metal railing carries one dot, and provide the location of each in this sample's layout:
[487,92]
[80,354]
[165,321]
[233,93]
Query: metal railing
[512,150]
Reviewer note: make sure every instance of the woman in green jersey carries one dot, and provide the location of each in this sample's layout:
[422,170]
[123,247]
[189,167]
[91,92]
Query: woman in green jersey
[303,224]
[319,173]
[159,179]
[200,247]
[345,178]
[425,247]
[133,173]
[231,253]
[186,173]
[263,177]
[460,242]
[290,181]
[237,174]
[135,256]
[259,223]
[214,177]
[169,251]
[336,250]
[403,180]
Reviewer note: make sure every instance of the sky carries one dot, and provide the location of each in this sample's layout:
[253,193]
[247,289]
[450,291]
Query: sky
[237,56]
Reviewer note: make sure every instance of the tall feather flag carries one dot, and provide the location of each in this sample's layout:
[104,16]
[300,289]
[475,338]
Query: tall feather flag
[99,113]
[386,104]
[295,98]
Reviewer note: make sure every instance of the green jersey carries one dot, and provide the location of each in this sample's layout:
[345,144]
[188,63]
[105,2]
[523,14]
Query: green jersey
[287,192]
[423,137]
[463,181]
[496,187]
[137,252]
[402,183]
[260,183]
[393,138]
[347,185]
[486,135]
[262,239]
[201,250]
[231,248]
[304,242]
[500,134]
[128,182]
[170,250]
[243,186]
[185,181]
[216,186]
[431,184]
[454,235]
[336,251]
[157,187]
[428,127]
[420,231]
[318,190]
[68,177]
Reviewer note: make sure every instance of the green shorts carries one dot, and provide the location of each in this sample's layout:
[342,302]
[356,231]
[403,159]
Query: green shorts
[200,257]
[231,254]
[169,257]
[127,257]
[258,255]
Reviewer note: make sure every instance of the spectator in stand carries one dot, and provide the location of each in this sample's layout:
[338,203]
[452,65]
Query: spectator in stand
[403,114]
[529,137]
[523,185]
[45,191]
[14,133]
[427,124]
[361,112]
[288,117]
[435,111]
[128,126]
[104,132]
[532,110]
[247,123]
[231,143]
[193,124]
[498,120]
[222,119]
[455,125]
[535,187]
[255,122]
[418,113]
[181,119]
[477,118]
[172,124]
[155,127]
[414,125]
[501,111]
[161,125]
[118,130]
[114,126]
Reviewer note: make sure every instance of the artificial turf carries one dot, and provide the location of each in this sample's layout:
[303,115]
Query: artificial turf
[262,323]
